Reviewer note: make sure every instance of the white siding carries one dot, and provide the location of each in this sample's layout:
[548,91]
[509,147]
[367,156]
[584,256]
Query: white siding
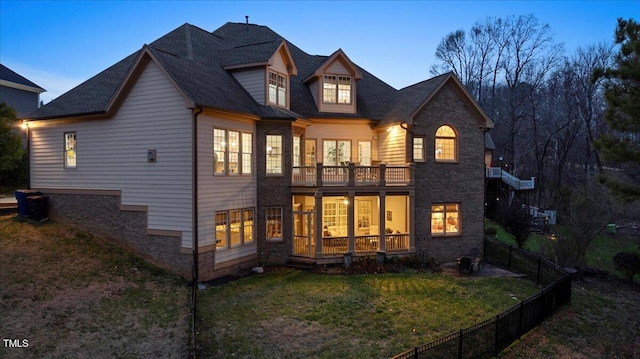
[391,145]
[221,193]
[253,80]
[278,63]
[112,153]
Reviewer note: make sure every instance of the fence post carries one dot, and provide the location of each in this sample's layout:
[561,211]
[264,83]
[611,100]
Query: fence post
[542,306]
[521,316]
[539,269]
[460,346]
[415,352]
[495,351]
[510,250]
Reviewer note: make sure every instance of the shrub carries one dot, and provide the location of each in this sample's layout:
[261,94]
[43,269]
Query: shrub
[627,263]
[491,232]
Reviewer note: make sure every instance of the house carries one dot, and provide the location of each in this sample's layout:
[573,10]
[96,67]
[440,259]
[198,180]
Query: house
[18,92]
[223,150]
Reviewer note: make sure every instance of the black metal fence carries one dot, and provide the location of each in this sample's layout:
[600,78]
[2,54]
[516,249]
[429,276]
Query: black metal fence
[487,339]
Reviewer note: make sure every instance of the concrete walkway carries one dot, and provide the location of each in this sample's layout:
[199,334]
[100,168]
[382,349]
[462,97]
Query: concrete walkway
[9,200]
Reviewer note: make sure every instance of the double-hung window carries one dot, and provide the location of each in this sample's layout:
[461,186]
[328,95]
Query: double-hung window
[274,154]
[445,219]
[274,223]
[418,149]
[232,152]
[70,150]
[277,89]
[336,89]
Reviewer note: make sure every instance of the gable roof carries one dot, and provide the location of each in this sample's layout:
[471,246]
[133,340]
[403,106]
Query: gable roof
[412,99]
[198,63]
[339,55]
[11,78]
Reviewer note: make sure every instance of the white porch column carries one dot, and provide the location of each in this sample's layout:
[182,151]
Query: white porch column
[350,222]
[382,216]
[412,222]
[318,224]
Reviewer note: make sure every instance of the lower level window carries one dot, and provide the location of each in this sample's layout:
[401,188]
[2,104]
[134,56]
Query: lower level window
[274,223]
[445,219]
[234,228]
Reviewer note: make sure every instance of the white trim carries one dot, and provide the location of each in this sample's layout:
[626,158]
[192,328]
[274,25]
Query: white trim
[18,86]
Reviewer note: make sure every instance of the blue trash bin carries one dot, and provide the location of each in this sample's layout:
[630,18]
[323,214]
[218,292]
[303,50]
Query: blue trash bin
[23,204]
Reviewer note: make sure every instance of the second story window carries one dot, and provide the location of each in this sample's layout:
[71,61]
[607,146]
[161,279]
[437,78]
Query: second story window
[336,153]
[232,152]
[336,89]
[274,154]
[277,89]
[418,149]
[70,150]
[446,146]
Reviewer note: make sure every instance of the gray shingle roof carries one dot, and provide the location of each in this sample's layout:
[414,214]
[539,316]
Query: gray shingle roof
[9,75]
[195,59]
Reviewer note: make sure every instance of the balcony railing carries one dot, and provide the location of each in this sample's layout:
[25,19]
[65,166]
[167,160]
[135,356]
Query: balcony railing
[352,175]
[337,246]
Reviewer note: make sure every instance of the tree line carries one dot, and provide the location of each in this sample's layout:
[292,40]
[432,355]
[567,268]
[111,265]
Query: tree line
[547,109]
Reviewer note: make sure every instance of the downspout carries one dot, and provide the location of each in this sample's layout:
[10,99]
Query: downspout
[194,191]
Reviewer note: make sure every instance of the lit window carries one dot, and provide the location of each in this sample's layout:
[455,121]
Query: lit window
[336,89]
[364,153]
[277,89]
[418,149]
[274,223]
[309,152]
[274,154]
[247,225]
[227,149]
[336,152]
[364,214]
[234,152]
[296,151]
[445,219]
[221,230]
[219,151]
[234,226]
[334,218]
[247,153]
[70,150]
[445,149]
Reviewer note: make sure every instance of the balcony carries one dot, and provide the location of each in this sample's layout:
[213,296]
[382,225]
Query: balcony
[352,175]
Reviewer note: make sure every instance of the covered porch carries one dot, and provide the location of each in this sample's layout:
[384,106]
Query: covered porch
[351,224]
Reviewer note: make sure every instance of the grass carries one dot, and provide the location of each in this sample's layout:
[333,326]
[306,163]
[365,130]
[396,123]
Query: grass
[72,295]
[287,313]
[602,320]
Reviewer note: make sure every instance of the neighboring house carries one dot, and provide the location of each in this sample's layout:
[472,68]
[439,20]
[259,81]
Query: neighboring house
[225,149]
[18,92]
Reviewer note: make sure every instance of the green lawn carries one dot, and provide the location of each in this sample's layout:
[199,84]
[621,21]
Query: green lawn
[71,295]
[599,256]
[287,313]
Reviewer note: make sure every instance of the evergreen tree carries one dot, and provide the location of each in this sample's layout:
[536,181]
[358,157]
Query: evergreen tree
[620,146]
[11,152]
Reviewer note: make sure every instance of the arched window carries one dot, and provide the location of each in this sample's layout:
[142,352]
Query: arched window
[446,149]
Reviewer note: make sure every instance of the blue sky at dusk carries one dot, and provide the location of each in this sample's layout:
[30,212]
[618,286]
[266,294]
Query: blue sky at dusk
[59,44]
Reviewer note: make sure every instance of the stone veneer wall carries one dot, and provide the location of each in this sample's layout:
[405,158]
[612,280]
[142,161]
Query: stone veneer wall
[461,182]
[102,216]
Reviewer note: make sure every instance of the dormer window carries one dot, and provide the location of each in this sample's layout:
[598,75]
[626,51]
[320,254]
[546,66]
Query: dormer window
[336,89]
[277,89]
